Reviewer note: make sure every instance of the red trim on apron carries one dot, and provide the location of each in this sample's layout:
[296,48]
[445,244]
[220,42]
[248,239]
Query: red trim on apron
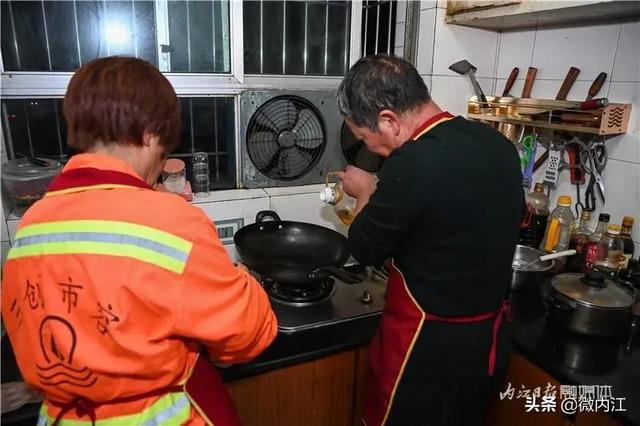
[402,321]
[88,176]
[429,122]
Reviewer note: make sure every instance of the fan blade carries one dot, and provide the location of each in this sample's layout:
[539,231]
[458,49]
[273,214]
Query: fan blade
[263,137]
[312,152]
[266,122]
[274,161]
[303,118]
[290,113]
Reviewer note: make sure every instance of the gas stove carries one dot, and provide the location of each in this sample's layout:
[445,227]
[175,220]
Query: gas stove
[330,302]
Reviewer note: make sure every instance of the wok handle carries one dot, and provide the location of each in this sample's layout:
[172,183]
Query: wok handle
[262,215]
[340,274]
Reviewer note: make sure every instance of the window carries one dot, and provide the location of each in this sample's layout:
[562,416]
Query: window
[62,35]
[378,26]
[296,37]
[210,50]
[35,127]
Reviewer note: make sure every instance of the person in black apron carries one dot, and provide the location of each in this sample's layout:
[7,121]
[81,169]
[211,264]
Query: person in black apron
[446,210]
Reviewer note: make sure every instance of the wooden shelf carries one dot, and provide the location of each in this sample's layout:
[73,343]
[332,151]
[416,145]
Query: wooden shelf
[537,13]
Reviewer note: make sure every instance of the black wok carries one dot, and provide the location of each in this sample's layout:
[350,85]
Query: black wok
[292,253]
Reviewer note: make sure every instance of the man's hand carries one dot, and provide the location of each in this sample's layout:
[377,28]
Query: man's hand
[357,183]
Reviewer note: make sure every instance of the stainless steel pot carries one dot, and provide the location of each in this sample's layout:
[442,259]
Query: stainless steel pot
[590,304]
[528,276]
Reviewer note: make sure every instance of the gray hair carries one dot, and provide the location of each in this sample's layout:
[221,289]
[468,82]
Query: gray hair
[380,82]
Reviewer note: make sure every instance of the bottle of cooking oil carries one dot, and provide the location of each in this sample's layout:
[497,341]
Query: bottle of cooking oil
[610,251]
[343,204]
[558,232]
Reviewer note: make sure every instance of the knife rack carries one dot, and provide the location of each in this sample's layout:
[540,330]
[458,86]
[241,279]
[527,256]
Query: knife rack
[551,114]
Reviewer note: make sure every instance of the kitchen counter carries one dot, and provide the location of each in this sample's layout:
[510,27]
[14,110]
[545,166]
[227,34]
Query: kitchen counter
[570,359]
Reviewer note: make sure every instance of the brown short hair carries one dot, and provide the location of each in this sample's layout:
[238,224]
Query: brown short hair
[117,99]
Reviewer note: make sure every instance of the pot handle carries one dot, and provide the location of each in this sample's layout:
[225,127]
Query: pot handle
[341,274]
[562,305]
[262,215]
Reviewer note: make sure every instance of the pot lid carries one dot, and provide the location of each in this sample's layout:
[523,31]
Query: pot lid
[26,167]
[593,289]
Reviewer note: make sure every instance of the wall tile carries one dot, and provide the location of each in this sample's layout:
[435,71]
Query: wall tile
[626,147]
[307,208]
[622,192]
[428,4]
[454,43]
[425,41]
[399,51]
[453,93]
[12,227]
[590,48]
[516,49]
[235,209]
[401,13]
[627,64]
[399,38]
[427,80]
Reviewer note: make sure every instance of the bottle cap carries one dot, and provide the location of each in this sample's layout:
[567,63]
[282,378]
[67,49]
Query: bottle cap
[614,229]
[328,195]
[604,217]
[539,187]
[586,215]
[627,221]
[564,200]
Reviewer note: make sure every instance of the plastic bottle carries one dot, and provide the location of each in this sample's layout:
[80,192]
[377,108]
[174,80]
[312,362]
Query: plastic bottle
[579,241]
[558,232]
[592,246]
[343,204]
[610,249]
[627,241]
[535,223]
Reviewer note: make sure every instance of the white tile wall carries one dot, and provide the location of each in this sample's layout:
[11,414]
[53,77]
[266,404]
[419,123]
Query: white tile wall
[428,4]
[452,93]
[627,63]
[590,48]
[424,62]
[613,48]
[235,209]
[454,43]
[307,208]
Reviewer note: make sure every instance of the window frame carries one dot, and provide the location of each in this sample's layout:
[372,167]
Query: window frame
[53,84]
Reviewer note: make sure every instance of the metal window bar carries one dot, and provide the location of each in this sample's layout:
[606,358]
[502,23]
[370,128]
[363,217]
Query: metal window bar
[284,36]
[215,137]
[326,36]
[56,113]
[377,27]
[135,28]
[15,36]
[104,27]
[306,29]
[26,117]
[366,27]
[188,40]
[345,66]
[46,35]
[390,25]
[261,37]
[75,21]
[7,132]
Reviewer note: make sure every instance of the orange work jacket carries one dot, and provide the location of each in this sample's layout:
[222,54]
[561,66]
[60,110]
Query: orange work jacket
[110,289]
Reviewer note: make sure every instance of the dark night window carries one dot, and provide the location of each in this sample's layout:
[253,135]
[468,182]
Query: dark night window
[378,26]
[36,127]
[296,37]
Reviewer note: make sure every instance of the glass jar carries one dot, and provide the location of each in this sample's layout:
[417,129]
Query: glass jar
[201,183]
[174,176]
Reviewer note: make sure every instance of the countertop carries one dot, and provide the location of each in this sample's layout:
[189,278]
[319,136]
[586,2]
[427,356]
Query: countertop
[572,360]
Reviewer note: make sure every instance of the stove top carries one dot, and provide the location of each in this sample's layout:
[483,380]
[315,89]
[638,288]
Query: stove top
[331,303]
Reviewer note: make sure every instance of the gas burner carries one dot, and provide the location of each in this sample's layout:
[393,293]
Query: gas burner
[299,296]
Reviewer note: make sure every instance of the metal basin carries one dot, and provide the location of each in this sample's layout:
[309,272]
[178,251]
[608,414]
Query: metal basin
[531,276]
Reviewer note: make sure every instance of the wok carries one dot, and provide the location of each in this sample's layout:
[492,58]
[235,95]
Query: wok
[293,253]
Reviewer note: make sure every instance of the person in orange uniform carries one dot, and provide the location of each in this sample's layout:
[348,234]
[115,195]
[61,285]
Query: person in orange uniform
[112,289]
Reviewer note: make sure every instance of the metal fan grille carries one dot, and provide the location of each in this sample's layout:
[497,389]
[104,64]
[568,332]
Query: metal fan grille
[356,152]
[286,137]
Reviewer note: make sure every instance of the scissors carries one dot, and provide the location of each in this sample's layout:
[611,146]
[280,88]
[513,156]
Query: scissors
[593,156]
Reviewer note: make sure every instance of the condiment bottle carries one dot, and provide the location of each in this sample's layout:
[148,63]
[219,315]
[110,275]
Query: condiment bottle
[558,232]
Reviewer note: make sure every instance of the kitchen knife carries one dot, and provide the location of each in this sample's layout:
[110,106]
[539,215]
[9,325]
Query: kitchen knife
[510,81]
[596,85]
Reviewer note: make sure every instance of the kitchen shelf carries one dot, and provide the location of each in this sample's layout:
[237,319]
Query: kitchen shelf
[537,13]
[544,113]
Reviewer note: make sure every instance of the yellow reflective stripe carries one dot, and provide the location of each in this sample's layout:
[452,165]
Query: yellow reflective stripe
[151,415]
[86,188]
[109,249]
[108,226]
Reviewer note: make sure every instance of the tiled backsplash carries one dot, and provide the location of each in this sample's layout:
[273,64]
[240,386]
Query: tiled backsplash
[301,203]
[612,48]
